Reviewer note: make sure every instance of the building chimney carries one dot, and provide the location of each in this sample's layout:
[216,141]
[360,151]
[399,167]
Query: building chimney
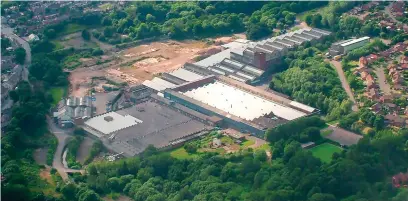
[260,60]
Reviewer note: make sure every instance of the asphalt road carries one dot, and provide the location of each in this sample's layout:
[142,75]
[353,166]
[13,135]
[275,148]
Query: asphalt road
[6,30]
[344,83]
[62,136]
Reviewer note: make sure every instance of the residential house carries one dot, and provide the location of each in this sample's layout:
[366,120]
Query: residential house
[369,79]
[404,67]
[364,75]
[33,37]
[371,58]
[404,60]
[394,120]
[362,62]
[386,98]
[372,94]
[376,108]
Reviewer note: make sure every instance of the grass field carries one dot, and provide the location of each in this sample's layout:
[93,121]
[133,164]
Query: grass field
[57,93]
[181,153]
[72,28]
[247,143]
[325,151]
[58,45]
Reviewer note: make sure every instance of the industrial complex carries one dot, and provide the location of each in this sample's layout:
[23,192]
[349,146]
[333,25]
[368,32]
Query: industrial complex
[342,47]
[188,102]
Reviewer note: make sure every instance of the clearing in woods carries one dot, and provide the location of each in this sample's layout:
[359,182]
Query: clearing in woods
[325,151]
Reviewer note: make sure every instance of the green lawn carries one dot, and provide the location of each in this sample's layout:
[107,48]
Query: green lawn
[57,94]
[325,133]
[181,153]
[325,151]
[72,28]
[265,147]
[247,143]
[58,45]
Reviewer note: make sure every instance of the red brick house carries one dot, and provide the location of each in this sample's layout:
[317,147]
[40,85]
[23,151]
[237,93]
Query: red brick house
[394,120]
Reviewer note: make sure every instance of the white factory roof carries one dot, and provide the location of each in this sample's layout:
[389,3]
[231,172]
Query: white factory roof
[355,41]
[240,103]
[237,78]
[214,59]
[254,70]
[116,122]
[234,44]
[186,75]
[302,106]
[158,84]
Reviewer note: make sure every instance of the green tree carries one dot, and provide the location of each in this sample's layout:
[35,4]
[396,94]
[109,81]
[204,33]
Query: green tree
[86,35]
[19,55]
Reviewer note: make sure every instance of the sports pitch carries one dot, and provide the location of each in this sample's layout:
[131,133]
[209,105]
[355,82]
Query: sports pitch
[325,151]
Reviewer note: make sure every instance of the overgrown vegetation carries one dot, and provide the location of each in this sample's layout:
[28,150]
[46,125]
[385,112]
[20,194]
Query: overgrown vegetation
[73,146]
[52,148]
[97,148]
[312,81]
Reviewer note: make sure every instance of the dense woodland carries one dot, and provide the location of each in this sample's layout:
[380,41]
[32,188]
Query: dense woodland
[180,20]
[360,173]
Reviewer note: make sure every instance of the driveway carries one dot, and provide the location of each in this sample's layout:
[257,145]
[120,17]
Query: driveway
[62,136]
[382,81]
[344,83]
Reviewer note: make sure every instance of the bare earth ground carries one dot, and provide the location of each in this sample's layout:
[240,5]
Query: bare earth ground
[46,175]
[84,149]
[137,64]
[40,156]
[160,57]
[343,136]
[100,102]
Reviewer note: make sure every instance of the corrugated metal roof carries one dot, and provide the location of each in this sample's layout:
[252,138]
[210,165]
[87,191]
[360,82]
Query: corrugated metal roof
[240,73]
[214,59]
[186,75]
[302,106]
[253,70]
[355,41]
[225,68]
[162,82]
[237,78]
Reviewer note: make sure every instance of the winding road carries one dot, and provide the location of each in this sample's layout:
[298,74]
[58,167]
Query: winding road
[62,136]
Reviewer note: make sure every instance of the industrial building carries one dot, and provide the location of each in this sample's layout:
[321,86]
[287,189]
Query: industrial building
[247,61]
[156,121]
[240,106]
[72,111]
[343,47]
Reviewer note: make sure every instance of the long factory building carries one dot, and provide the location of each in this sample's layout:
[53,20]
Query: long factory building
[215,92]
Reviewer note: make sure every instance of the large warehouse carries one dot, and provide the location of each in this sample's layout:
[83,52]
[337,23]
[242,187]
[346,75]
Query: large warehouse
[240,106]
[157,122]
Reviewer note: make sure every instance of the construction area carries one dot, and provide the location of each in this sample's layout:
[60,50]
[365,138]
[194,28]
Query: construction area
[137,64]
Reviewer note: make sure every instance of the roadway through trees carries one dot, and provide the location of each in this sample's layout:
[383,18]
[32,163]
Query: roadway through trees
[344,83]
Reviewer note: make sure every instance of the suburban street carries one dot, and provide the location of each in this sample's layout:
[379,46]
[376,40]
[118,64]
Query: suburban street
[387,11]
[382,81]
[9,32]
[344,83]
